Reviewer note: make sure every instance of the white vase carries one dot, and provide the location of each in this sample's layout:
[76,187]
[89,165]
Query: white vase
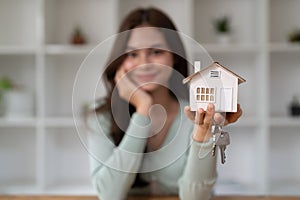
[223,38]
[18,104]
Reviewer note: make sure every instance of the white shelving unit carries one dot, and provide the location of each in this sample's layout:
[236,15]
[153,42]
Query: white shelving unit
[43,154]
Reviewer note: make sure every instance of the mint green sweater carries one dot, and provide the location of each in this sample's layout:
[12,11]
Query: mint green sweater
[181,166]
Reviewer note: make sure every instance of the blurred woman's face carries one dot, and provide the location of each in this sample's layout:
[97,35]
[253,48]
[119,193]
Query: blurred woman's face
[148,60]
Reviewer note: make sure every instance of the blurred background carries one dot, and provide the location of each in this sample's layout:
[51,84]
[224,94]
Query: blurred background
[43,43]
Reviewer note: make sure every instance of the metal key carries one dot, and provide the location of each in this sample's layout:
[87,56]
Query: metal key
[216,134]
[222,142]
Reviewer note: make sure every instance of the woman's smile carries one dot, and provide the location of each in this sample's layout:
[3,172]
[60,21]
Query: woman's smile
[146,77]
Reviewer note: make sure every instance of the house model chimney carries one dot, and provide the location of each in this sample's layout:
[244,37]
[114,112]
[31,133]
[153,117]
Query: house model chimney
[197,66]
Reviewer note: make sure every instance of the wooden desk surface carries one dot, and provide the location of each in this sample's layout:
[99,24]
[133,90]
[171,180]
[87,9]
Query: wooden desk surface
[145,198]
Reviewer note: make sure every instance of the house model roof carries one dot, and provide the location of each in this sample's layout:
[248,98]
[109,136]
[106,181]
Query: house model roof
[214,64]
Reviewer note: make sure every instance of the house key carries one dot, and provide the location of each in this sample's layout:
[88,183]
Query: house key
[222,142]
[216,134]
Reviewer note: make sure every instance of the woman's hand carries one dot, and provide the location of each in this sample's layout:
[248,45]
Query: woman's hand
[131,93]
[203,121]
[232,117]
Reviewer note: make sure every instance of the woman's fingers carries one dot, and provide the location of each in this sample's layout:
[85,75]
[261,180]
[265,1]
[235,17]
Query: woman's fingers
[219,118]
[200,114]
[124,85]
[203,121]
[189,113]
[130,92]
[210,110]
[196,117]
[200,117]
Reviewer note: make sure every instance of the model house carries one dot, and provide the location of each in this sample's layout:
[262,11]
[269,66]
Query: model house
[214,84]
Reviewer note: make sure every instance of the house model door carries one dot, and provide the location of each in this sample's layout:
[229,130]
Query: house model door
[226,99]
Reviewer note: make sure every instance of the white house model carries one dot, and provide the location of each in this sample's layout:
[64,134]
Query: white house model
[215,84]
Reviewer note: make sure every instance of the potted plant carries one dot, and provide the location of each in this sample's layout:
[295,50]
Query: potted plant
[295,106]
[78,37]
[5,85]
[294,36]
[16,101]
[222,29]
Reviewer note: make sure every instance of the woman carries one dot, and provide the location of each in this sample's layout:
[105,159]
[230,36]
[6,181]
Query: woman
[142,115]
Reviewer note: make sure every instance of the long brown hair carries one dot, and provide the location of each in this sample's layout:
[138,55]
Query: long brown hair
[151,17]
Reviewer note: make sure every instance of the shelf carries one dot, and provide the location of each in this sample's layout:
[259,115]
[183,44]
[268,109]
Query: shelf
[245,122]
[285,121]
[32,122]
[56,49]
[18,122]
[231,48]
[284,47]
[60,122]
[17,50]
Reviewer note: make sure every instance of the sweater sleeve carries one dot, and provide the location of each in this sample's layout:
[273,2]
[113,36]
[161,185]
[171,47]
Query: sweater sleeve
[114,168]
[200,173]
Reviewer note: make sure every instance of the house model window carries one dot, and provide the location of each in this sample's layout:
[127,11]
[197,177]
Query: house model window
[215,84]
[205,94]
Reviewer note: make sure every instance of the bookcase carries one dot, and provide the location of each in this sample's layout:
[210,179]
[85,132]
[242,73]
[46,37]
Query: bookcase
[42,154]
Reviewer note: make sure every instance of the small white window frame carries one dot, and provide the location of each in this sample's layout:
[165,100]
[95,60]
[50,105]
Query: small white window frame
[205,94]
